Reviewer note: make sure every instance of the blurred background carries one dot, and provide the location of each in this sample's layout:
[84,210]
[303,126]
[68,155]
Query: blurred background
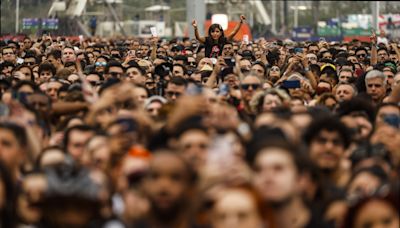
[297,20]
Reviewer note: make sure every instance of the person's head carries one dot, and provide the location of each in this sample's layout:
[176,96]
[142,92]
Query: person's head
[396,80]
[274,74]
[389,72]
[50,157]
[178,70]
[383,54]
[215,32]
[13,145]
[375,82]
[54,57]
[75,139]
[366,180]
[327,138]
[227,50]
[153,106]
[379,210]
[101,63]
[361,54]
[46,71]
[167,185]
[9,54]
[249,85]
[345,75]
[114,69]
[237,206]
[25,72]
[30,59]
[52,88]
[259,69]
[245,65]
[313,48]
[175,88]
[386,110]
[136,74]
[345,91]
[312,58]
[192,142]
[277,166]
[328,100]
[40,102]
[68,54]
[27,43]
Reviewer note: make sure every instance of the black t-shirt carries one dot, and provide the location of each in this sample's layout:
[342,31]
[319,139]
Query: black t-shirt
[213,50]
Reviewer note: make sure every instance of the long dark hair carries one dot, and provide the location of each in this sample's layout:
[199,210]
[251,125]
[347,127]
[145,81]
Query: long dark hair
[212,28]
[7,213]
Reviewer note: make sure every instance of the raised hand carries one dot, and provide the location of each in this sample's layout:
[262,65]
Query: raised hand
[242,18]
[194,23]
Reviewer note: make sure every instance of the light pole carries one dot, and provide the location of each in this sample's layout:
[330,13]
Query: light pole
[17,17]
[296,9]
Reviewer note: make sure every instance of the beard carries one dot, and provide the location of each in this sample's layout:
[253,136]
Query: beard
[279,204]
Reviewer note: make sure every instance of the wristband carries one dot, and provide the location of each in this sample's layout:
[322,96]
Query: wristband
[306,69]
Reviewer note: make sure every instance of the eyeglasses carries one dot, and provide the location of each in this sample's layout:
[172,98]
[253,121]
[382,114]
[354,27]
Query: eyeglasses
[247,86]
[275,69]
[192,63]
[361,55]
[100,64]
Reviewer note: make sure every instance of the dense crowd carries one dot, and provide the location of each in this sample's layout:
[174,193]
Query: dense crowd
[205,132]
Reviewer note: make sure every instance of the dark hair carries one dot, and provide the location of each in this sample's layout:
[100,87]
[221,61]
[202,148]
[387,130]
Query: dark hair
[113,63]
[177,81]
[361,49]
[267,137]
[46,66]
[384,49]
[7,214]
[84,128]
[181,66]
[25,66]
[23,83]
[329,123]
[18,132]
[181,57]
[55,53]
[212,28]
[357,104]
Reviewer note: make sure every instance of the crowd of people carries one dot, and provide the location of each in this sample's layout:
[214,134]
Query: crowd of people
[205,132]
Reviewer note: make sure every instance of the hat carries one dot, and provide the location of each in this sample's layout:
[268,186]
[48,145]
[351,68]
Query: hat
[328,65]
[206,68]
[151,99]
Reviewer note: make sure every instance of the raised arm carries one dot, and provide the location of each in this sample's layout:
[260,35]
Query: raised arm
[374,52]
[237,28]
[196,32]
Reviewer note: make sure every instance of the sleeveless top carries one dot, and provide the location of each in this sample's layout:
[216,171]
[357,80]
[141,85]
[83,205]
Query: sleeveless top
[213,50]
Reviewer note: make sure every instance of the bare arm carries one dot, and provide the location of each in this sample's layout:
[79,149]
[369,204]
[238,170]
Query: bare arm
[237,27]
[213,77]
[396,49]
[153,54]
[374,52]
[196,33]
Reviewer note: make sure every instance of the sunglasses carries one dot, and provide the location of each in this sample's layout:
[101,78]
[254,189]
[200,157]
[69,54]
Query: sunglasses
[275,69]
[247,86]
[94,83]
[100,64]
[362,55]
[171,94]
[192,63]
